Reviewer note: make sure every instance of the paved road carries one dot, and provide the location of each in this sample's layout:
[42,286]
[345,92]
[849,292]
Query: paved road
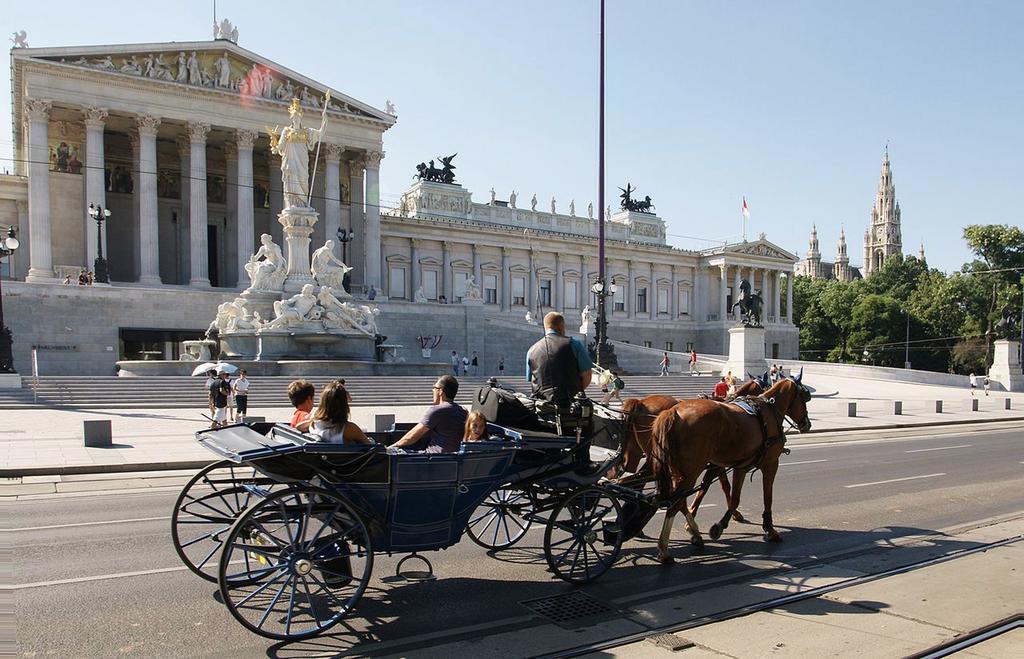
[829,497]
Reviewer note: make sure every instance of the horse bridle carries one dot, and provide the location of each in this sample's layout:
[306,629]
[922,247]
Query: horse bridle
[781,418]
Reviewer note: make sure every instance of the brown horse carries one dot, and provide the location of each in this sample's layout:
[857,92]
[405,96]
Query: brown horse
[639,421]
[696,433]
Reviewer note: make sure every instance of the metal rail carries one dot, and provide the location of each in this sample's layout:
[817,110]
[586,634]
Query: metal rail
[972,638]
[738,612]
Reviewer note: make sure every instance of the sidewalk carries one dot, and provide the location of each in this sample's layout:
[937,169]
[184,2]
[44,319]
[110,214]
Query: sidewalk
[51,441]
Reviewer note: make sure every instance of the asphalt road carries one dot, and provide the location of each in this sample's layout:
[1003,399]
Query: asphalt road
[95,574]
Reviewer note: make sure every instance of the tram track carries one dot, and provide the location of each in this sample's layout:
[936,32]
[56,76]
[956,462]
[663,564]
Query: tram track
[785,600]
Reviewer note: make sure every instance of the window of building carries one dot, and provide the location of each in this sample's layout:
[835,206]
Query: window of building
[647,344]
[668,346]
[619,297]
[663,300]
[728,299]
[430,284]
[460,285]
[571,295]
[684,302]
[396,283]
[545,292]
[641,300]
[519,291]
[491,289]
[689,346]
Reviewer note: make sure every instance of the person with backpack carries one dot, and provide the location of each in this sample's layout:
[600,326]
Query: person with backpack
[615,387]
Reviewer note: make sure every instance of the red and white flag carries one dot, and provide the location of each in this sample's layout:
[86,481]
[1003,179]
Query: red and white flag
[746,211]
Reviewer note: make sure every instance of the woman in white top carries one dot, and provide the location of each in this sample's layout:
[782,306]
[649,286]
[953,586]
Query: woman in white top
[241,391]
[330,420]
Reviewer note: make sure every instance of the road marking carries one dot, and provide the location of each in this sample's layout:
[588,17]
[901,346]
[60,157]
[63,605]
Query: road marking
[939,448]
[802,462]
[896,480]
[98,577]
[68,526]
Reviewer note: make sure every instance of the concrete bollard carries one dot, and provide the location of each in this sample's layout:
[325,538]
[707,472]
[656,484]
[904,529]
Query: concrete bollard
[938,407]
[972,405]
[383,422]
[98,434]
[897,407]
[1006,403]
[848,409]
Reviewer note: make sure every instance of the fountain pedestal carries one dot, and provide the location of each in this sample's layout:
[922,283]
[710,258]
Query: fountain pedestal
[298,225]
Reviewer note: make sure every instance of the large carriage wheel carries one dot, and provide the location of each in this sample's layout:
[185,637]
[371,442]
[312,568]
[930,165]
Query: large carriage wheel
[206,508]
[502,519]
[583,536]
[295,564]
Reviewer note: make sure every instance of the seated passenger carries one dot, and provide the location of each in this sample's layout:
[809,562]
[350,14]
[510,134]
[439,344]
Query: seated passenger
[330,421]
[301,393]
[721,389]
[476,428]
[442,424]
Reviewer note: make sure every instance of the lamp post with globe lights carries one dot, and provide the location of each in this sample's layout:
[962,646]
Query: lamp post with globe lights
[345,236]
[8,246]
[99,267]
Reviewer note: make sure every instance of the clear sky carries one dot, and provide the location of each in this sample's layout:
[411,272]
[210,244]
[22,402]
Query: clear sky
[790,103]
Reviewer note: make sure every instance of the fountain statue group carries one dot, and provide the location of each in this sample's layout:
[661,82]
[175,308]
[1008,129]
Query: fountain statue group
[320,309]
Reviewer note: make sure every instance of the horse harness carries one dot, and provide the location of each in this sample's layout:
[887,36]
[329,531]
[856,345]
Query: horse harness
[755,406]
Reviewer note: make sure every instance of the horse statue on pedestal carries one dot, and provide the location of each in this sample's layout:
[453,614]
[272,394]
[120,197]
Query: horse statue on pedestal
[750,304]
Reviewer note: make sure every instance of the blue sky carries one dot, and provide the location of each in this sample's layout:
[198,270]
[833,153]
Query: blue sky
[789,103]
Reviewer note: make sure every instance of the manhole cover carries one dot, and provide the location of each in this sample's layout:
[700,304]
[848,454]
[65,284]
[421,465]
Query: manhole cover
[670,642]
[572,610]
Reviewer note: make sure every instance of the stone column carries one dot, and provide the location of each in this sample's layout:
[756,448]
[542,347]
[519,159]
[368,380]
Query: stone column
[95,179]
[652,295]
[506,282]
[371,231]
[696,303]
[414,267]
[357,219]
[723,286]
[631,290]
[182,231]
[40,250]
[477,274]
[200,266]
[789,298]
[559,285]
[145,190]
[584,293]
[446,274]
[232,274]
[673,296]
[246,235]
[276,194]
[332,193]
[24,234]
[531,292]
[736,289]
[777,297]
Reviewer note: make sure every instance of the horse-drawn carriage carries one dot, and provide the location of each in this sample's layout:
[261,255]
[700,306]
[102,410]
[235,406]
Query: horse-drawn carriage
[288,527]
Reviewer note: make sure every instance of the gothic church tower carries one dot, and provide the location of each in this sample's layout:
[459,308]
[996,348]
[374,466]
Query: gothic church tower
[841,268]
[884,237]
[813,261]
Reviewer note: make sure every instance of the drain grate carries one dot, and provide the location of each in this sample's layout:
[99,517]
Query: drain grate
[671,642]
[572,610]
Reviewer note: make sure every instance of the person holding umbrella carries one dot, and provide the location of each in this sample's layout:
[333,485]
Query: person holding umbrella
[219,392]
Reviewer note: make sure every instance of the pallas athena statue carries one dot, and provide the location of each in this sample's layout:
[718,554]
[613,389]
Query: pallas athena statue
[294,144]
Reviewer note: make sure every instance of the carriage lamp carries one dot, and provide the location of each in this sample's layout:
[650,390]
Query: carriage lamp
[8,246]
[99,268]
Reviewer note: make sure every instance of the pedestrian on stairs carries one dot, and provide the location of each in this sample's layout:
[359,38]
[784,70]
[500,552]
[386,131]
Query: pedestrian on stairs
[455,363]
[693,362]
[241,389]
[664,364]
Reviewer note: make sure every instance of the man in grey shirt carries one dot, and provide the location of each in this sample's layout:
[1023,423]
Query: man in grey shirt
[443,424]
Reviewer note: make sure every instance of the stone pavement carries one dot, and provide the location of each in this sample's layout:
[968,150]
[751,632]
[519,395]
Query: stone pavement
[51,441]
[890,617]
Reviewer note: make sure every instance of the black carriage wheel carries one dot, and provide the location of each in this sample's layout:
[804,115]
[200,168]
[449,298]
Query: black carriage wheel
[502,519]
[206,508]
[294,564]
[583,536]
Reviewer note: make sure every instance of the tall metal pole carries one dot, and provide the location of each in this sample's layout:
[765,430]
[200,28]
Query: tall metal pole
[602,322]
[906,351]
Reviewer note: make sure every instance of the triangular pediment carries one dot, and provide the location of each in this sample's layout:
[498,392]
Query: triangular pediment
[760,247]
[220,66]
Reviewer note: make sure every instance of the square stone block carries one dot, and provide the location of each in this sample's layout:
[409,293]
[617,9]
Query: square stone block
[98,433]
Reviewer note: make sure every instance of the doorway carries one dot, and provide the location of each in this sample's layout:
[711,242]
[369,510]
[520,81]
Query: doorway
[212,262]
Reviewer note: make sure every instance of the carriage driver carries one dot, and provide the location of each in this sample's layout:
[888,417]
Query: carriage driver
[558,367]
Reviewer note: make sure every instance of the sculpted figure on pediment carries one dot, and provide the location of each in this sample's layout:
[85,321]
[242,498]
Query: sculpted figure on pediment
[309,99]
[131,66]
[268,84]
[105,63]
[286,91]
[223,68]
[182,69]
[195,73]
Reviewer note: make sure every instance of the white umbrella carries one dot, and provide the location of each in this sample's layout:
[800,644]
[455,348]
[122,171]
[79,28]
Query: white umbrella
[214,366]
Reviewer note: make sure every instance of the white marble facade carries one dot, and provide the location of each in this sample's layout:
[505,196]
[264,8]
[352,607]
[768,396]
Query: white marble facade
[135,127]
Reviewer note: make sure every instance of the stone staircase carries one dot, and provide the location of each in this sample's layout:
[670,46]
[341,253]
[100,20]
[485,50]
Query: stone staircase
[111,392]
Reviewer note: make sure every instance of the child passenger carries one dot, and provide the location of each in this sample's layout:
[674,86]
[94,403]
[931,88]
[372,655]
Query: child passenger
[300,393]
[330,421]
[476,428]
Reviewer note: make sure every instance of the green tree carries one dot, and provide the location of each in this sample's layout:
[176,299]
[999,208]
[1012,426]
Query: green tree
[898,277]
[876,322]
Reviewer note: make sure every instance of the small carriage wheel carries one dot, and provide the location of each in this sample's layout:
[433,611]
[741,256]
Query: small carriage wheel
[583,536]
[206,508]
[313,562]
[502,519]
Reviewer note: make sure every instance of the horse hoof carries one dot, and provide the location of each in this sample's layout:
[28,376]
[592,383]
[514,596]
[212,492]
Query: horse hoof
[772,536]
[738,517]
[666,559]
[697,541]
[715,531]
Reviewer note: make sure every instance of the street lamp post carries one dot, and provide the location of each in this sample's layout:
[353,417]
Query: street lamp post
[7,247]
[906,344]
[99,267]
[605,353]
[345,236]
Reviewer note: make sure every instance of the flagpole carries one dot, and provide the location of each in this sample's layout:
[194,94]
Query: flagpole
[319,140]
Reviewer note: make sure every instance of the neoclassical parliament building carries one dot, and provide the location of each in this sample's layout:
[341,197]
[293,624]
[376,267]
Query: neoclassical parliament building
[171,138]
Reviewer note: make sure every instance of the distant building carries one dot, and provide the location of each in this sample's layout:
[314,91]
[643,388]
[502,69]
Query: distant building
[812,266]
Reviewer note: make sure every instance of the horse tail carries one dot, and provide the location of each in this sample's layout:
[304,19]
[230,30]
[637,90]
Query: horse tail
[660,453]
